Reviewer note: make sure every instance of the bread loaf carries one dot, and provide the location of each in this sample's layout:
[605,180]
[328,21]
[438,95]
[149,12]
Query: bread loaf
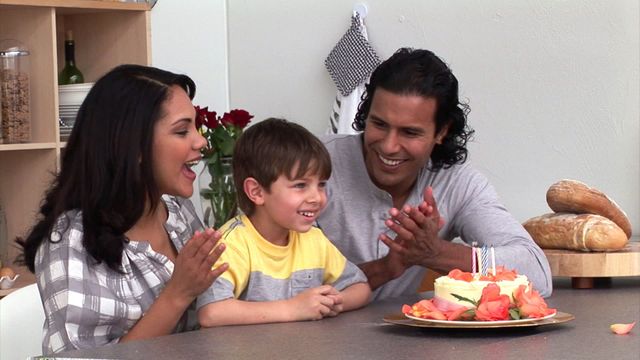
[586,232]
[576,197]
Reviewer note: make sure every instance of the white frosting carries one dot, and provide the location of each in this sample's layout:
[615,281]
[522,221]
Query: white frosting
[444,286]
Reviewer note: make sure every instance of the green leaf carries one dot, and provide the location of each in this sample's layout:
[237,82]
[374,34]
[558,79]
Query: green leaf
[515,314]
[226,147]
[462,298]
[471,313]
[223,140]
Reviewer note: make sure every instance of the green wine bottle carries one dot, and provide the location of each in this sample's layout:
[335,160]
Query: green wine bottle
[70,74]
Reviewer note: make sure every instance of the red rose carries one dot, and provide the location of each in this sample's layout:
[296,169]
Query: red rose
[530,303]
[201,116]
[492,306]
[237,118]
[212,120]
[206,117]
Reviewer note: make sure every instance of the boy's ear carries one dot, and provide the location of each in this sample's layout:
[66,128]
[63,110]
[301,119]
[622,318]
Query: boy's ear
[254,191]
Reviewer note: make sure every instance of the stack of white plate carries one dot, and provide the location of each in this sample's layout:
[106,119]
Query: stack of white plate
[70,98]
[65,131]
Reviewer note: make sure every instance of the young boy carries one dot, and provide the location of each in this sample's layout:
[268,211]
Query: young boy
[281,267]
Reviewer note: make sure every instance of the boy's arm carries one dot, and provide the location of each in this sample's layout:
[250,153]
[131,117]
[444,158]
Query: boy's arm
[352,297]
[312,304]
[355,296]
[345,275]
[240,312]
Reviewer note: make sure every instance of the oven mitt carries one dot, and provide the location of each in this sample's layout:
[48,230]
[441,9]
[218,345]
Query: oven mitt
[352,59]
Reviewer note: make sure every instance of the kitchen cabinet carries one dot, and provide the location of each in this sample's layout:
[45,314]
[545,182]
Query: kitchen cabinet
[107,33]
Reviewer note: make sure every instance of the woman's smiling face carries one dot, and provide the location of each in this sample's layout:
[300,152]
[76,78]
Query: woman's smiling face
[176,145]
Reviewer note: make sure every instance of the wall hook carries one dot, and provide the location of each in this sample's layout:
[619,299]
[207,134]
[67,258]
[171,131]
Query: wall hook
[361,9]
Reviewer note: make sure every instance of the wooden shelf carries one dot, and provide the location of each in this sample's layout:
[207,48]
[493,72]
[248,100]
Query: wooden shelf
[27,146]
[79,5]
[107,34]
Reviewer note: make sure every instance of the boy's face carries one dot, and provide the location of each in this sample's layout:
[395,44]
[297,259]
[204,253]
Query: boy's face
[290,205]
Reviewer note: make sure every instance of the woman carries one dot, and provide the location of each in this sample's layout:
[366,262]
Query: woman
[117,250]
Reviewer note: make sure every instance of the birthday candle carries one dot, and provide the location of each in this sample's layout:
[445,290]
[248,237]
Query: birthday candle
[474,266]
[493,260]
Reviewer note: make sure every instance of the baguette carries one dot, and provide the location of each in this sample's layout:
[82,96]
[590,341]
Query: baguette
[586,232]
[576,197]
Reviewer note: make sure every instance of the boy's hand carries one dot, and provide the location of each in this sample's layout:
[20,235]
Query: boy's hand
[338,299]
[312,304]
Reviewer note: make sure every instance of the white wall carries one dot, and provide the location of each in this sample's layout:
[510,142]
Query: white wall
[553,85]
[190,37]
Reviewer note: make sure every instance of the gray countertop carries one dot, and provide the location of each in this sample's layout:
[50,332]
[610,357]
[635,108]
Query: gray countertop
[362,334]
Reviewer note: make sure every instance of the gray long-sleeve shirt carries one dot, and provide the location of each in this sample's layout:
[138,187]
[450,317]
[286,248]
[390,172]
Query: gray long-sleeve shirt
[356,210]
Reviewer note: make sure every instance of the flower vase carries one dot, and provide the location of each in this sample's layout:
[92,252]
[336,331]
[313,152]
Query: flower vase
[217,191]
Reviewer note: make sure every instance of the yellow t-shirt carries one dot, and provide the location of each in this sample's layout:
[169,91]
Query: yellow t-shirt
[261,271]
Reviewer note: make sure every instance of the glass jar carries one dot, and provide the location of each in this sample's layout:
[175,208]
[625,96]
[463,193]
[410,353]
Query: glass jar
[217,191]
[14,92]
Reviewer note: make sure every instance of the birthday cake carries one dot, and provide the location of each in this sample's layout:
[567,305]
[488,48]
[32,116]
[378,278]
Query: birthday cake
[454,290]
[499,294]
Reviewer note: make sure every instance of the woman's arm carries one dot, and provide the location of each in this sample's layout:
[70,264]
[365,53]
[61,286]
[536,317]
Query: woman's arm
[192,274]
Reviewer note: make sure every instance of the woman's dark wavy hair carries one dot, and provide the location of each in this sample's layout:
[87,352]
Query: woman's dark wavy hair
[421,72]
[107,164]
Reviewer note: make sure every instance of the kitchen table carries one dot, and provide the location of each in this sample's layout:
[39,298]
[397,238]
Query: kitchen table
[363,334]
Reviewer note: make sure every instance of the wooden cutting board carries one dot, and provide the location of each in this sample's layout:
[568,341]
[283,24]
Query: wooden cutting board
[584,266]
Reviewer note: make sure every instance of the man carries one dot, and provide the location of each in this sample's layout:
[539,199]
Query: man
[401,191]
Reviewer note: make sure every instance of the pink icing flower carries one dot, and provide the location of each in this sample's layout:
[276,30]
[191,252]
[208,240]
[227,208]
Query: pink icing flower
[458,274]
[424,309]
[492,306]
[530,303]
[622,329]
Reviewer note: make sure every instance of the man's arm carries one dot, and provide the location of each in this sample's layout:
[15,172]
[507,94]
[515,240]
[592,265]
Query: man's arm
[485,221]
[383,270]
[417,241]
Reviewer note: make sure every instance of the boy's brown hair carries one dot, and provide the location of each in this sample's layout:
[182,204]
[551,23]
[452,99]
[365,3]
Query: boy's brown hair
[274,147]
